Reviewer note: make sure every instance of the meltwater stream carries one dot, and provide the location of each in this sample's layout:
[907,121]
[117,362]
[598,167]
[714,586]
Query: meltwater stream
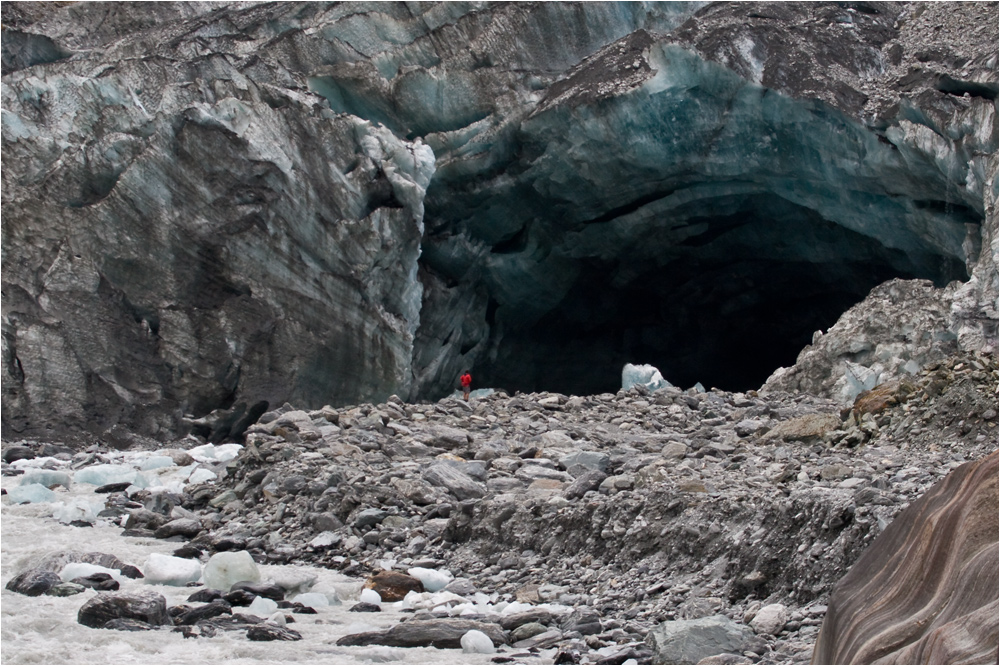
[44,629]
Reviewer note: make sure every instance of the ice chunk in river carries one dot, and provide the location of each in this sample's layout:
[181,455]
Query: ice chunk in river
[84,569]
[313,600]
[201,475]
[47,478]
[156,462]
[30,494]
[370,597]
[262,606]
[102,475]
[476,642]
[210,453]
[647,375]
[432,579]
[169,570]
[77,510]
[227,568]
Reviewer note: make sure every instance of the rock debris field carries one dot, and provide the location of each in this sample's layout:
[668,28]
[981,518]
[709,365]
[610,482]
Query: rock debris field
[639,527]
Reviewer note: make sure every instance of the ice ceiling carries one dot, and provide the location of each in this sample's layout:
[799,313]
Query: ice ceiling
[680,216]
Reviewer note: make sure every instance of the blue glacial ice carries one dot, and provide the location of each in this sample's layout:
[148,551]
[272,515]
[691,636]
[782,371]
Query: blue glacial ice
[30,494]
[224,569]
[170,570]
[644,375]
[47,478]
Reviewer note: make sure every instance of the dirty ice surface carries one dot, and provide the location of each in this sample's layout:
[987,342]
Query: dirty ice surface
[44,629]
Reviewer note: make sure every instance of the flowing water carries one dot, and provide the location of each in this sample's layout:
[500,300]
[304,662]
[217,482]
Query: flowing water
[44,629]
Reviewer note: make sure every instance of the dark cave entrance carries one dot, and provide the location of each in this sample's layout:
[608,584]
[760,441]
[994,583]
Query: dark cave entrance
[725,308]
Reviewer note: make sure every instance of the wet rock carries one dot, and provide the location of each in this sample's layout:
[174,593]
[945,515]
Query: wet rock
[65,590]
[266,631]
[266,590]
[239,597]
[128,624]
[365,607]
[145,606]
[99,581]
[33,582]
[205,595]
[212,609]
[112,488]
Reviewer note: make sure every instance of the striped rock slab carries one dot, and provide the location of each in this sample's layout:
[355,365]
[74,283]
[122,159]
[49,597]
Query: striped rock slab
[925,591]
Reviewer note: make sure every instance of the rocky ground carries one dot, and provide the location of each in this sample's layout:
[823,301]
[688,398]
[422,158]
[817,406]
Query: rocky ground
[632,508]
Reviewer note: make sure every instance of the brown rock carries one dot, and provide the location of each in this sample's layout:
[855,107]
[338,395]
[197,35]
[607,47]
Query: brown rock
[393,585]
[926,590]
[882,397]
[806,428]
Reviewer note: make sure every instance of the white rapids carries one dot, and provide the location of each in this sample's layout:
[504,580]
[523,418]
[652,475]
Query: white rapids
[44,629]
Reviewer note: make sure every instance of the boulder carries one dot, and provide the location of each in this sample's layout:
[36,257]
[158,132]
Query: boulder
[770,619]
[690,641]
[185,527]
[445,437]
[807,428]
[33,582]
[458,483]
[146,606]
[393,585]
[266,631]
[926,590]
[443,634]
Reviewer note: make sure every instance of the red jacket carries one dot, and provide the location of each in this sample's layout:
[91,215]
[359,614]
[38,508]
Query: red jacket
[466,380]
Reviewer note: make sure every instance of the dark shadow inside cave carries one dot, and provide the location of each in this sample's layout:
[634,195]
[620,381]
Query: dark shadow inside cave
[725,307]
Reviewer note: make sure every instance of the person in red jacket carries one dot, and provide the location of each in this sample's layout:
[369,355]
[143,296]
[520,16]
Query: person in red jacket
[466,385]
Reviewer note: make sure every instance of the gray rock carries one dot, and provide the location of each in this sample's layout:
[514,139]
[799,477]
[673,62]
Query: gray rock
[526,631]
[515,620]
[586,482]
[590,460]
[458,483]
[185,527]
[15,453]
[690,641]
[443,634]
[445,437]
[541,641]
[369,517]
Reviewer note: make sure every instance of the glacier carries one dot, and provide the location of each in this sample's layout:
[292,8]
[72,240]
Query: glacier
[333,204]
